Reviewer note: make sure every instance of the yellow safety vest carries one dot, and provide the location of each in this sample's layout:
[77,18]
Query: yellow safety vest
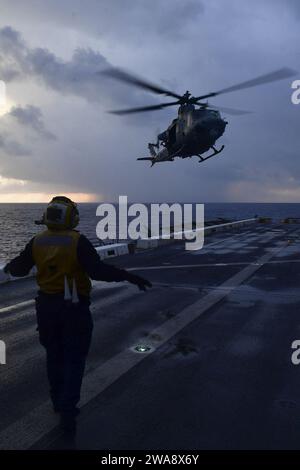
[55,256]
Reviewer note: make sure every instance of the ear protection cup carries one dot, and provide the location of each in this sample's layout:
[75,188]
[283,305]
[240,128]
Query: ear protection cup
[75,217]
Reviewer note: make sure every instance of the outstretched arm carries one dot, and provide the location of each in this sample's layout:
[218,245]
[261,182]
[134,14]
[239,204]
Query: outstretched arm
[22,264]
[99,271]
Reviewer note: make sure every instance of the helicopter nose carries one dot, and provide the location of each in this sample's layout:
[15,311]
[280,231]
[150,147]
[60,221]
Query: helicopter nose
[220,125]
[218,129]
[223,124]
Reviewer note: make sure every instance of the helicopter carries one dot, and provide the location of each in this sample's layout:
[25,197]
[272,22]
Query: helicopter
[198,124]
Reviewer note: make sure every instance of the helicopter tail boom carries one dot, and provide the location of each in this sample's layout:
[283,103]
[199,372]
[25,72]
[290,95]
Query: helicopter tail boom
[150,159]
[146,158]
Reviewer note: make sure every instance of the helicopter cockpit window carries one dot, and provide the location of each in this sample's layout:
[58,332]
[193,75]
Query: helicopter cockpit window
[199,112]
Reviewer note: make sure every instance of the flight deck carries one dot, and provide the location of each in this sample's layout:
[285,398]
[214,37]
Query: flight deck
[200,361]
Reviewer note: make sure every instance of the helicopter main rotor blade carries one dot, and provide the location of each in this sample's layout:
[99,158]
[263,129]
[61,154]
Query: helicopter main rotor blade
[126,77]
[144,108]
[267,78]
[234,112]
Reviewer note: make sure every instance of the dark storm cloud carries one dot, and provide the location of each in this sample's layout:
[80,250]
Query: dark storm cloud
[80,76]
[166,20]
[12,51]
[16,129]
[292,5]
[11,148]
[32,117]
[124,19]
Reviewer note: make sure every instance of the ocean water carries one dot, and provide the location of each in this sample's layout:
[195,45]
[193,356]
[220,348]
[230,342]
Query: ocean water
[17,220]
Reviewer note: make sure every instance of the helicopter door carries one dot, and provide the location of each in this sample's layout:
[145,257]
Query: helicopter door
[172,134]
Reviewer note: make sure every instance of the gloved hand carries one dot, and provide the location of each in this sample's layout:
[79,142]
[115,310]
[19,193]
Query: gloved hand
[4,274]
[139,281]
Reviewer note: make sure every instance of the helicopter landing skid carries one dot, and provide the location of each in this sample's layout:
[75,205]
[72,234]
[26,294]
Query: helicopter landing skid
[215,152]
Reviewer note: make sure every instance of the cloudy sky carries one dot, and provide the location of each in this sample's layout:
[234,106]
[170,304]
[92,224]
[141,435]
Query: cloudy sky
[55,133]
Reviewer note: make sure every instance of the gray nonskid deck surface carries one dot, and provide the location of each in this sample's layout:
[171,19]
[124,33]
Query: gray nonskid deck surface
[220,322]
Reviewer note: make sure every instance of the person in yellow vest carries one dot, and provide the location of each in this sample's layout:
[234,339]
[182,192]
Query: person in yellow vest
[65,261]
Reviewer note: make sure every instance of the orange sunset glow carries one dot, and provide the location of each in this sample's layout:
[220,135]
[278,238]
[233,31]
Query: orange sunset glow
[45,197]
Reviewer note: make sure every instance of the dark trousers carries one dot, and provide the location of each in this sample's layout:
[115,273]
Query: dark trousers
[65,331]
